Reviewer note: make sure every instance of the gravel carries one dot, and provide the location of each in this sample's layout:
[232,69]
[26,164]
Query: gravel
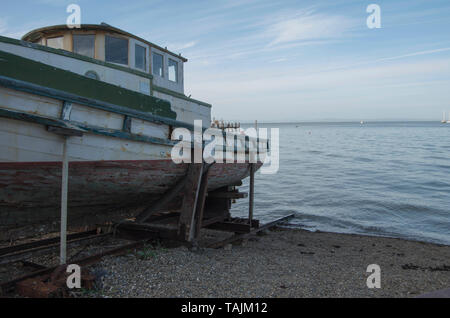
[282,263]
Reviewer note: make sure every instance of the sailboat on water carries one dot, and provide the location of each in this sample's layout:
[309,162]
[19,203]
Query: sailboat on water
[444,119]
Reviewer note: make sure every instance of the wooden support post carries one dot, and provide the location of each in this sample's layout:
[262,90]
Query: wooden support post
[186,228]
[203,192]
[252,194]
[64,195]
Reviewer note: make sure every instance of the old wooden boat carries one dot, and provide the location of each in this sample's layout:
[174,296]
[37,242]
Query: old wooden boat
[119,97]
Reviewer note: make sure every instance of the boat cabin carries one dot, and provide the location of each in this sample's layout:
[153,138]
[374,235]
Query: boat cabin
[114,56]
[109,44]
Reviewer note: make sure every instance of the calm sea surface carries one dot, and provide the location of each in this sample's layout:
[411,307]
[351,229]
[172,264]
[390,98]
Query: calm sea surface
[381,178]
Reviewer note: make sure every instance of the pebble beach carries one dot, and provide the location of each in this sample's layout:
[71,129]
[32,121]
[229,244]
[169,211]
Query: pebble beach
[279,263]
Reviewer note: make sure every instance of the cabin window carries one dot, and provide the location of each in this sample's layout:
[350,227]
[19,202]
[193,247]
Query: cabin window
[116,50]
[140,57]
[158,64]
[173,70]
[56,43]
[84,44]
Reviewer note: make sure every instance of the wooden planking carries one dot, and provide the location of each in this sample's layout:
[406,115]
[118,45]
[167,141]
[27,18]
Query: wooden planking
[96,117]
[63,96]
[29,138]
[142,127]
[29,103]
[35,141]
[79,113]
[187,111]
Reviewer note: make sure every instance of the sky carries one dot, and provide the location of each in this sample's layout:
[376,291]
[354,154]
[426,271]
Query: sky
[276,61]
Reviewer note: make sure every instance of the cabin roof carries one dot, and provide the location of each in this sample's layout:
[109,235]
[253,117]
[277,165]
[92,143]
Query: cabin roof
[36,34]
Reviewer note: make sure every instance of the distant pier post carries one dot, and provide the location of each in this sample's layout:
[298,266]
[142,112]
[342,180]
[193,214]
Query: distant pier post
[252,193]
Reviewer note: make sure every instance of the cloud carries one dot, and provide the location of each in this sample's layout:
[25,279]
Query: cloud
[308,26]
[182,46]
[415,54]
[279,60]
[362,83]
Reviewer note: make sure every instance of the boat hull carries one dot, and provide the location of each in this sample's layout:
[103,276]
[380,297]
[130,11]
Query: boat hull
[30,191]
[120,157]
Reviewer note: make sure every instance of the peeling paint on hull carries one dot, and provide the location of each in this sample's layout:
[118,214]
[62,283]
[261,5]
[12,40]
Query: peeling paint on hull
[29,191]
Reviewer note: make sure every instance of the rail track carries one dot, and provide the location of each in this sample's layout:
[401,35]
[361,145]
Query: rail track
[44,281]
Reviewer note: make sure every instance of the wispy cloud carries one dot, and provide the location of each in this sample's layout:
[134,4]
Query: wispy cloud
[308,26]
[182,46]
[445,49]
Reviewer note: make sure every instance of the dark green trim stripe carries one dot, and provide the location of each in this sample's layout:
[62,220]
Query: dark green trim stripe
[16,67]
